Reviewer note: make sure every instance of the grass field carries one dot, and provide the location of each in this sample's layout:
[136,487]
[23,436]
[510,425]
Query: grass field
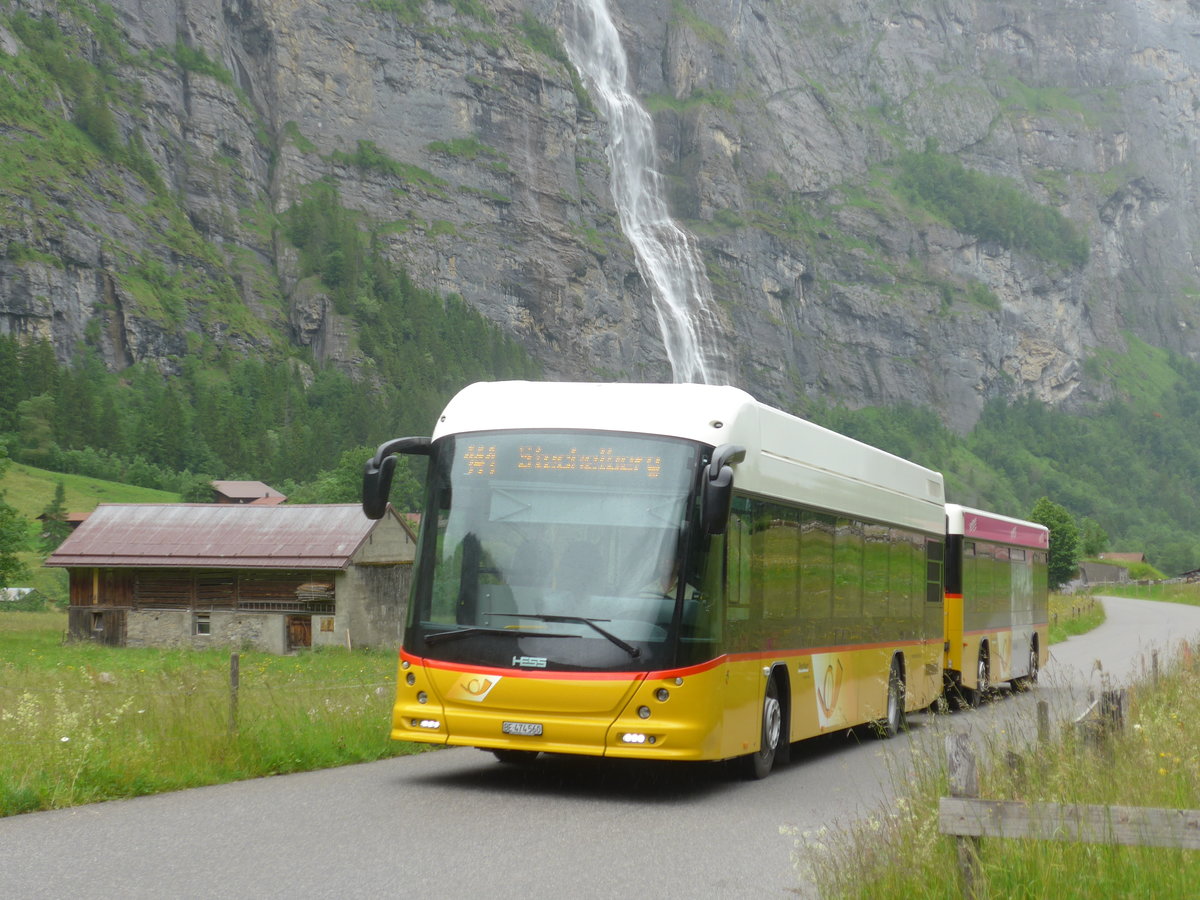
[1074,614]
[83,722]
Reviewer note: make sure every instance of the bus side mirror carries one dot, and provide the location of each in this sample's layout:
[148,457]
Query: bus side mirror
[379,469]
[716,491]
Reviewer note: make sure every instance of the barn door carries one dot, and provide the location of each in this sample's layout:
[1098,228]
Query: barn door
[299,632]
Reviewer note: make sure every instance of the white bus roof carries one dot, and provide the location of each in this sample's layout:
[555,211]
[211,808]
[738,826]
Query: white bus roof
[787,458]
[989,526]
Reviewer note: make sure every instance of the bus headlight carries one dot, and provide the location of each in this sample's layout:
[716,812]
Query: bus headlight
[643,712]
[634,737]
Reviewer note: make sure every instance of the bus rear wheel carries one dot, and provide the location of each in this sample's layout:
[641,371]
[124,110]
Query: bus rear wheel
[1025,682]
[760,763]
[972,697]
[894,719]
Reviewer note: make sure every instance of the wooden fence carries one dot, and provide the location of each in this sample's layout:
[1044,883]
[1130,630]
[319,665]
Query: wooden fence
[970,819]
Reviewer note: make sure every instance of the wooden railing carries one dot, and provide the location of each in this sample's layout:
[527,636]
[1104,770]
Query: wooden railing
[969,818]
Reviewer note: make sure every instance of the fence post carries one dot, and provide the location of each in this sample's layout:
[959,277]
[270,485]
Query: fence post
[1112,711]
[1043,722]
[964,782]
[234,665]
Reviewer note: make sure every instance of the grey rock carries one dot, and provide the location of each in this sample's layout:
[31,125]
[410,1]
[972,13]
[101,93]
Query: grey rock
[765,110]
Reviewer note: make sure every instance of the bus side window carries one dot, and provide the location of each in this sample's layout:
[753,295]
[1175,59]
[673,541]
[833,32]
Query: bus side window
[817,577]
[776,543]
[934,554]
[876,553]
[847,580]
[738,596]
[900,576]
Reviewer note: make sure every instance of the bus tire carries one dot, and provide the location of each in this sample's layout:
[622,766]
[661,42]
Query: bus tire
[973,697]
[894,719]
[760,763]
[1027,681]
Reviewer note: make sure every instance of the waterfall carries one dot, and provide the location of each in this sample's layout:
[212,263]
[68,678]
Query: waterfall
[667,257]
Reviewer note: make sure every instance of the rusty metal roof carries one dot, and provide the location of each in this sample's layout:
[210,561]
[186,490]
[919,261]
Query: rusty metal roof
[208,535]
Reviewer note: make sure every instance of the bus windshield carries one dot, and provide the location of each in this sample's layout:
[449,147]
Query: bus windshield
[556,550]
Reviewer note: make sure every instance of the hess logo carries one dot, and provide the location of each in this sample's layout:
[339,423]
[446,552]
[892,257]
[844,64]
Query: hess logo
[530,662]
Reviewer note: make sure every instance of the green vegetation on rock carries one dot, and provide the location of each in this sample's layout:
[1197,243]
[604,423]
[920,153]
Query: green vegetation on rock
[988,207]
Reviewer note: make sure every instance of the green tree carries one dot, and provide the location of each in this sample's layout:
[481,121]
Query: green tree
[35,421]
[54,518]
[11,382]
[343,484]
[39,368]
[14,535]
[1064,539]
[196,489]
[1093,540]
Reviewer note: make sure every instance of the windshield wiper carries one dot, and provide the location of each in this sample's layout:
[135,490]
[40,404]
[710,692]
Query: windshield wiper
[442,636]
[633,651]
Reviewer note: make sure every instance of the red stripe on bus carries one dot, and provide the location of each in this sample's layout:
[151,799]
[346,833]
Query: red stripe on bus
[684,672]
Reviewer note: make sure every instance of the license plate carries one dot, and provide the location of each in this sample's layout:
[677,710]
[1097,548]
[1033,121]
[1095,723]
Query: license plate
[528,729]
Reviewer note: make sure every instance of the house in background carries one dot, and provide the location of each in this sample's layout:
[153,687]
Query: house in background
[1102,573]
[275,578]
[255,492]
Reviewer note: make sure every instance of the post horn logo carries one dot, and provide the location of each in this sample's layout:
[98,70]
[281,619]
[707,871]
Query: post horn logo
[829,691]
[475,688]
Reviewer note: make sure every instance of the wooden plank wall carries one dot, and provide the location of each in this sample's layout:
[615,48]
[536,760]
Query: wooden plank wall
[203,589]
[106,587]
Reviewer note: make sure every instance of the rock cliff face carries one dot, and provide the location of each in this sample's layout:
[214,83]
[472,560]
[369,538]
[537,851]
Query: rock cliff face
[463,135]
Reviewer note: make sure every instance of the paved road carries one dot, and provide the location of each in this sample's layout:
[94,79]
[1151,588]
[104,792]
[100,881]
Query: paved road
[455,823]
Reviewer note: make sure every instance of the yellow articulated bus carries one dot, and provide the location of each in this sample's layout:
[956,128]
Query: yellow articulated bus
[997,596]
[661,571]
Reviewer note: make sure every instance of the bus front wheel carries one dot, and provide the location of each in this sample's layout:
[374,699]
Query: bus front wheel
[759,764]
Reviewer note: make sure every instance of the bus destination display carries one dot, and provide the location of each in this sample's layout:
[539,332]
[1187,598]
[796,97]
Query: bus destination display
[488,460]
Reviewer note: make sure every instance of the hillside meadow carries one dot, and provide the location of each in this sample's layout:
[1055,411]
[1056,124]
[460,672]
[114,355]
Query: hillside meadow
[29,490]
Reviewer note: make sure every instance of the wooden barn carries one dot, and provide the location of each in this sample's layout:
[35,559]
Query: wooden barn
[275,578]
